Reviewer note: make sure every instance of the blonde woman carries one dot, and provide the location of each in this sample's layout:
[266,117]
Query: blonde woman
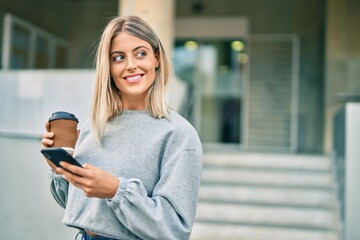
[142,162]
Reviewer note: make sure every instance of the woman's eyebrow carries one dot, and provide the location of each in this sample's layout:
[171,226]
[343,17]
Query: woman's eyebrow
[135,49]
[116,52]
[140,47]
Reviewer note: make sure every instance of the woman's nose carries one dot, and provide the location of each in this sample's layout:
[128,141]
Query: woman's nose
[131,64]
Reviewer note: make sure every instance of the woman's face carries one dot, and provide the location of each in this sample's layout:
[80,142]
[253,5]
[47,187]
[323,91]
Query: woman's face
[132,67]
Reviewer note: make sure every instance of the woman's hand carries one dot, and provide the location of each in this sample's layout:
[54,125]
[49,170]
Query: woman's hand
[92,180]
[48,142]
[47,137]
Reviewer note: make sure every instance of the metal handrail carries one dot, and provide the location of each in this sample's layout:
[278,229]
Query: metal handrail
[23,134]
[348,97]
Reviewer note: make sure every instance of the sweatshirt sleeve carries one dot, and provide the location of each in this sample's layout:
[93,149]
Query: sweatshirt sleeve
[59,188]
[170,211]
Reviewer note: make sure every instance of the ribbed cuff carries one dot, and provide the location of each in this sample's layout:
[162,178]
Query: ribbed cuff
[53,175]
[120,192]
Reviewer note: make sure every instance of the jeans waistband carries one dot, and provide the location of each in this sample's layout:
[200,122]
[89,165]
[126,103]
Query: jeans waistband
[84,236]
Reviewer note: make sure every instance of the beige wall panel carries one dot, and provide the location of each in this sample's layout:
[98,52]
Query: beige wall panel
[158,13]
[212,27]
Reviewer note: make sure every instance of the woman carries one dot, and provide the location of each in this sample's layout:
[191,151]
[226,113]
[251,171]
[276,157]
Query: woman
[142,162]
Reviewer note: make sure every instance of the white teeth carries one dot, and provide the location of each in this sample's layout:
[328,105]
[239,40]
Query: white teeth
[133,78]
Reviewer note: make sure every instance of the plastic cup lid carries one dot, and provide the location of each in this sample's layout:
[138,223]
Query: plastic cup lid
[63,115]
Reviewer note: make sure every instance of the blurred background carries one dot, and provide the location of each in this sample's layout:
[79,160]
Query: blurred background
[272,88]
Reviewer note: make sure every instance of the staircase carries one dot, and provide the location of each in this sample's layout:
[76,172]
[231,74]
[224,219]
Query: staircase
[252,196]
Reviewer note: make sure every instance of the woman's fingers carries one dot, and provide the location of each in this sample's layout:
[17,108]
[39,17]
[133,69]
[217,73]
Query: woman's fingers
[69,174]
[92,180]
[73,169]
[46,140]
[47,126]
[48,135]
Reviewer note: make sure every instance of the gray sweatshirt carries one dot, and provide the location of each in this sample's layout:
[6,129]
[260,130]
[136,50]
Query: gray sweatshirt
[158,163]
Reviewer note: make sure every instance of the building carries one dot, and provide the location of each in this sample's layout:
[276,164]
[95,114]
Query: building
[318,40]
[260,75]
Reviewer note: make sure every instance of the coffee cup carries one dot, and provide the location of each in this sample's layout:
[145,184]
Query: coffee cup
[64,126]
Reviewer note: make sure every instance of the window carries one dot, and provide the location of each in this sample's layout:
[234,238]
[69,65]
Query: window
[27,46]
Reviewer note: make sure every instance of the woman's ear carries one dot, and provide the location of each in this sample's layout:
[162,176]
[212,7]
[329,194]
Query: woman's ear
[157,60]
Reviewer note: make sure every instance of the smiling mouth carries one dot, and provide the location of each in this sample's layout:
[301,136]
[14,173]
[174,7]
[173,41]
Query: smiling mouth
[133,79]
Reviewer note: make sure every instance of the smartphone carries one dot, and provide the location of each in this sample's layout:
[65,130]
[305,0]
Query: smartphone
[56,155]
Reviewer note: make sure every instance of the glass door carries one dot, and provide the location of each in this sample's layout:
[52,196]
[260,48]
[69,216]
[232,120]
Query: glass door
[214,71]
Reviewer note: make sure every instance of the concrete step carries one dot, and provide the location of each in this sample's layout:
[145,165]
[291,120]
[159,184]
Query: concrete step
[268,177]
[323,219]
[269,161]
[215,231]
[309,198]
[256,196]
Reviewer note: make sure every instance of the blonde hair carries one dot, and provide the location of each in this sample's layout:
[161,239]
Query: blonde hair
[106,102]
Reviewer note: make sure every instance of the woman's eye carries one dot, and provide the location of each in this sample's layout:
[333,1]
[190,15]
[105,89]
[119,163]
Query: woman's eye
[118,58]
[141,54]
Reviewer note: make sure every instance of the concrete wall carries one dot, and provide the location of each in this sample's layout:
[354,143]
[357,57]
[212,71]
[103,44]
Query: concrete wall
[352,166]
[27,209]
[29,97]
